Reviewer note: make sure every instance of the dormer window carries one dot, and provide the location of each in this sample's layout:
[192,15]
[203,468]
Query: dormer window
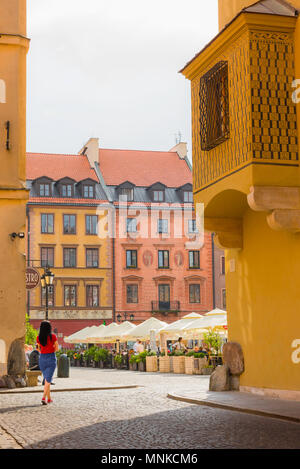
[185,193]
[44,190]
[125,192]
[88,191]
[158,196]
[157,192]
[188,197]
[42,186]
[66,190]
[65,187]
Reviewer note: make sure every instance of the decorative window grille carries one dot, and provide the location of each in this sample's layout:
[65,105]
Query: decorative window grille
[214,107]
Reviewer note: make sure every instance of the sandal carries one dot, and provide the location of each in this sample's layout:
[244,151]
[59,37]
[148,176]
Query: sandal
[50,401]
[44,401]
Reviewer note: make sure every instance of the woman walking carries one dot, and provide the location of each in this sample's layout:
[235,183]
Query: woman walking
[47,345]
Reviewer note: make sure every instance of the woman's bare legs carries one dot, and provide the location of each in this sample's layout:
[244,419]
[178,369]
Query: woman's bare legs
[46,390]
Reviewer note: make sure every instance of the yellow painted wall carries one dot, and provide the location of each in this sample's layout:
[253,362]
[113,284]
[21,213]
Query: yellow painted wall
[263,301]
[81,241]
[262,272]
[13,195]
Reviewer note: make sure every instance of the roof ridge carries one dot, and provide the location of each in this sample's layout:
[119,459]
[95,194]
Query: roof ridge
[145,151]
[52,154]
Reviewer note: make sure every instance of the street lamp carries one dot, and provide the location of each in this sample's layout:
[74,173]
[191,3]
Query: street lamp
[119,317]
[47,281]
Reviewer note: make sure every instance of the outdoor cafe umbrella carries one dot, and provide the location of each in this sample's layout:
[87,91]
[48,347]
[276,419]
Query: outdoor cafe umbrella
[114,332]
[142,331]
[80,336]
[101,338]
[120,334]
[206,322]
[97,333]
[175,327]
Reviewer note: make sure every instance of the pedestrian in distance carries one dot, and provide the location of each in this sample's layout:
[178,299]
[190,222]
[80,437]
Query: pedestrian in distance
[140,347]
[47,346]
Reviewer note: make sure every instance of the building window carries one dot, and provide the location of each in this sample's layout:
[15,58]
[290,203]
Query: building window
[194,293]
[126,194]
[92,257]
[50,296]
[214,107]
[164,297]
[47,223]
[66,190]
[188,197]
[223,265]
[192,226]
[194,259]
[69,257]
[69,224]
[158,196]
[47,257]
[131,259]
[70,295]
[88,192]
[163,259]
[162,226]
[224,298]
[131,225]
[44,190]
[92,296]
[132,293]
[91,224]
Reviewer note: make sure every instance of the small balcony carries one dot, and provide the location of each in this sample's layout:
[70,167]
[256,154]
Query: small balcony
[165,307]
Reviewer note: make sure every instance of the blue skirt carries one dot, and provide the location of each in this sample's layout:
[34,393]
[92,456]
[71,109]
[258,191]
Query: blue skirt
[47,363]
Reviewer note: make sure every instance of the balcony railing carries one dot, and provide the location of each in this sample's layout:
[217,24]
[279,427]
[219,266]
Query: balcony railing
[165,306]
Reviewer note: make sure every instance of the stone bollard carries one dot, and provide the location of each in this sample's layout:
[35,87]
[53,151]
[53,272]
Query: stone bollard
[233,357]
[219,379]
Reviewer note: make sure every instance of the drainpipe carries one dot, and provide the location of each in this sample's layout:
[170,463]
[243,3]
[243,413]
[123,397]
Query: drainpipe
[113,263]
[28,254]
[213,269]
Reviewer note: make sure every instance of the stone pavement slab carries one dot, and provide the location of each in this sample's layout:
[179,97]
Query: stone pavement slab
[243,402]
[136,418]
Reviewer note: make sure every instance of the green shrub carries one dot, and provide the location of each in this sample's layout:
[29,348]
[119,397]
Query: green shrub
[118,359]
[199,355]
[31,333]
[133,359]
[141,357]
[178,353]
[190,354]
[100,354]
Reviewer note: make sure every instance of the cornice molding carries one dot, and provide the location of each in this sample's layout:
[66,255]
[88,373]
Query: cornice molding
[244,22]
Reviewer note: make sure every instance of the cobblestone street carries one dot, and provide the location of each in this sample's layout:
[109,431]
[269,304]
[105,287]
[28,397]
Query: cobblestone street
[137,418]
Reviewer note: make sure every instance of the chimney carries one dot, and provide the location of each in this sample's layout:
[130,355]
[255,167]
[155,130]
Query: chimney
[91,150]
[181,149]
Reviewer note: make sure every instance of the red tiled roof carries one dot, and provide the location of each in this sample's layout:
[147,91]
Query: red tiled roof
[143,168]
[56,167]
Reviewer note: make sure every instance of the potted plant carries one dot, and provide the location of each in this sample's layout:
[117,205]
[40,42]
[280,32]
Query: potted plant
[208,370]
[141,361]
[179,362]
[151,362]
[132,363]
[100,356]
[214,340]
[77,358]
[164,362]
[118,361]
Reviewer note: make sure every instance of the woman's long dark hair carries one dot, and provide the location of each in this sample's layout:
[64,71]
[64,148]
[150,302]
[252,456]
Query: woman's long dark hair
[45,332]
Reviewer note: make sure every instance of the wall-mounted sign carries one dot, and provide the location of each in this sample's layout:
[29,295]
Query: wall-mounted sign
[32,278]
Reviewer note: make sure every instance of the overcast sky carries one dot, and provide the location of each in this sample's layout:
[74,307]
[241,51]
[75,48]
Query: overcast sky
[109,69]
